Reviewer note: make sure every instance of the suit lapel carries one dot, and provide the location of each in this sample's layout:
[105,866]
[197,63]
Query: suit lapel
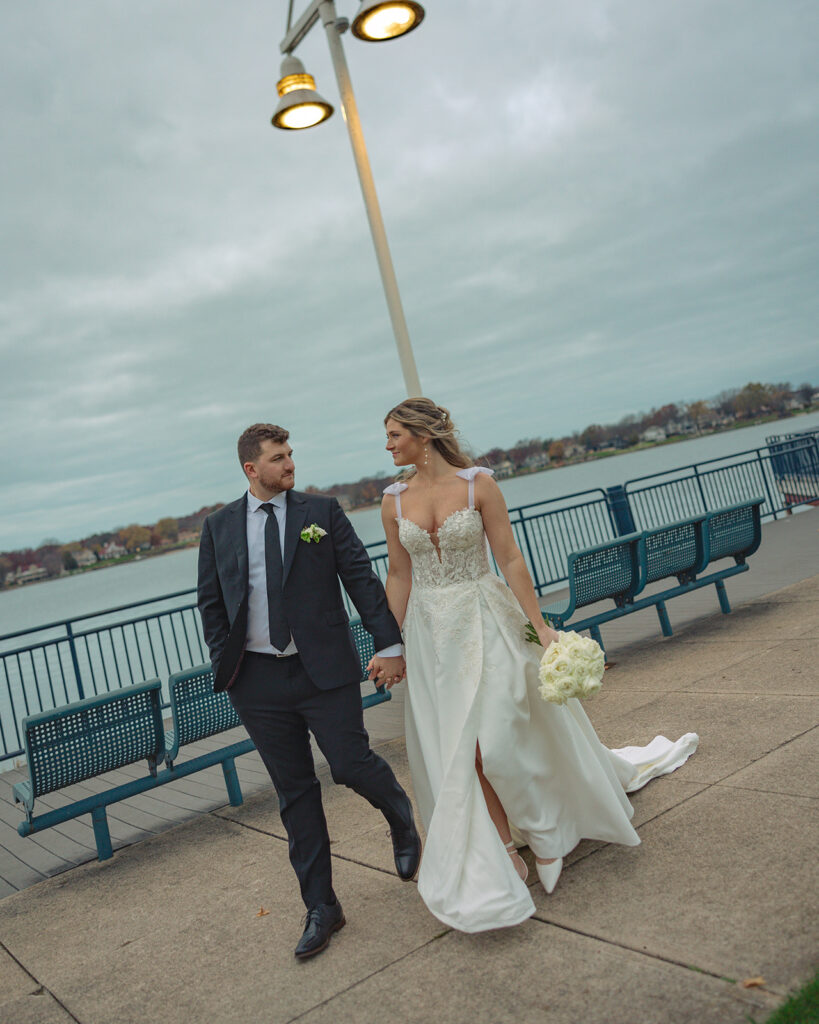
[296,516]
[238,531]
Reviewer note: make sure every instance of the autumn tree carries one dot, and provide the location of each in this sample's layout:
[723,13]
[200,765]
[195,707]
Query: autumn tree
[556,451]
[493,457]
[805,394]
[751,400]
[663,416]
[696,412]
[523,449]
[49,555]
[593,436]
[167,529]
[133,537]
[726,402]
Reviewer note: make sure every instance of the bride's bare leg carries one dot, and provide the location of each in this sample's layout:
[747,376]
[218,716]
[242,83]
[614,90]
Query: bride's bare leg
[499,819]
[495,807]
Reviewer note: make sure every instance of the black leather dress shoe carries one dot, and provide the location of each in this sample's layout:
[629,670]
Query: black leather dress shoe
[406,848]
[320,924]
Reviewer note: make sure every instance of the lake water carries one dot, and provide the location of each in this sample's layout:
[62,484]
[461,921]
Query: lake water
[89,592]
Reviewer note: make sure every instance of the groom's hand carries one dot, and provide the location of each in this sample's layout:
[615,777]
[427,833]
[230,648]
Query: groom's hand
[386,670]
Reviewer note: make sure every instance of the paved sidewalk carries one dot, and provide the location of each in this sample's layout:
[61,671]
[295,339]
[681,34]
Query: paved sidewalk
[722,889]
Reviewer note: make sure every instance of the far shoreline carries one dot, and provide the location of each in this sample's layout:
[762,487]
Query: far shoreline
[593,456]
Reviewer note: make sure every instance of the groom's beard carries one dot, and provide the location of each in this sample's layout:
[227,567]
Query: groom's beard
[278,483]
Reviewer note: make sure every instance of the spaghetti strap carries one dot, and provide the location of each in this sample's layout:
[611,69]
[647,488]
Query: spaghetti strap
[469,475]
[395,491]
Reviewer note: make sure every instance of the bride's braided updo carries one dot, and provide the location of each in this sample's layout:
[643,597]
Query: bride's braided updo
[423,418]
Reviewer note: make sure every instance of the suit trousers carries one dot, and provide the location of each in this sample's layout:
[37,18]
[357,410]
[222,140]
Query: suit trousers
[279,706]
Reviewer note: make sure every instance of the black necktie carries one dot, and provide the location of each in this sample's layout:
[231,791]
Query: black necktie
[277,620]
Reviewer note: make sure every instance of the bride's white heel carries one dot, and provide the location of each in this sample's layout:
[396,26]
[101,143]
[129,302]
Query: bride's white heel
[518,861]
[549,873]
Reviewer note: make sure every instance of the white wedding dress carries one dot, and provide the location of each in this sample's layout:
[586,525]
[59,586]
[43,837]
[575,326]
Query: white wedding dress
[473,678]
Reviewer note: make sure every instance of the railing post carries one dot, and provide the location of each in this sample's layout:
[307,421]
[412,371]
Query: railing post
[70,633]
[764,476]
[535,579]
[699,486]
[620,509]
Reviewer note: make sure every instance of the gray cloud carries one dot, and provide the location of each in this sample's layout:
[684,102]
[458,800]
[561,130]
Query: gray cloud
[592,208]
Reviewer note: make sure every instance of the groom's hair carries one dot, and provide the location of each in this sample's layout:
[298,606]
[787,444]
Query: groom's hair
[250,443]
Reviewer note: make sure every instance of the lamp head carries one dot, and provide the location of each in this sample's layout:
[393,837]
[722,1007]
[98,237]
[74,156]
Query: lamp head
[379,20]
[300,106]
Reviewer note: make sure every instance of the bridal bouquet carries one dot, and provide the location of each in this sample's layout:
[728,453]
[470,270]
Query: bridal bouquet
[572,666]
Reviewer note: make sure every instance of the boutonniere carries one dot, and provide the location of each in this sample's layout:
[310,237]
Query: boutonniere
[312,532]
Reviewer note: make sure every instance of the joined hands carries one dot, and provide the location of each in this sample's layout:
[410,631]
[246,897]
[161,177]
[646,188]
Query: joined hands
[386,670]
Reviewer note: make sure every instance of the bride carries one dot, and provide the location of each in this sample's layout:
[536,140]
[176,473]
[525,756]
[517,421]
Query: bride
[493,765]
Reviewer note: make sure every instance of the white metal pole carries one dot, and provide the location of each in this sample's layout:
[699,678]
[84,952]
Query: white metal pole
[327,11]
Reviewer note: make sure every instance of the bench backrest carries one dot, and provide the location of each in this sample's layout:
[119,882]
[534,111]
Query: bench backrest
[674,550]
[93,736]
[197,711]
[734,531]
[610,570]
[364,644]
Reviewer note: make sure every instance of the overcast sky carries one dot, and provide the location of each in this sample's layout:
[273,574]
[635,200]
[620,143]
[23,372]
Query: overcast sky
[593,207]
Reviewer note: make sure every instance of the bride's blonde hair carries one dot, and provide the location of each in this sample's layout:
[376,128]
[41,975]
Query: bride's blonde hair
[423,418]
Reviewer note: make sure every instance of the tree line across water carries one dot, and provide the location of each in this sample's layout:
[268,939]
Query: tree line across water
[735,407]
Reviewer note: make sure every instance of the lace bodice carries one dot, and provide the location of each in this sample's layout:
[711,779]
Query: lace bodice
[459,556]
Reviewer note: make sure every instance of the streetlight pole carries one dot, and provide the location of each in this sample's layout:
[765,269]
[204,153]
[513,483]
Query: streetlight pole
[325,9]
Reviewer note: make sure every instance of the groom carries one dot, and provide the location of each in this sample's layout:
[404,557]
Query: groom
[280,643]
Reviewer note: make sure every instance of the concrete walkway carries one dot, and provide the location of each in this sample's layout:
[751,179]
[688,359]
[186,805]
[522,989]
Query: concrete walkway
[199,923]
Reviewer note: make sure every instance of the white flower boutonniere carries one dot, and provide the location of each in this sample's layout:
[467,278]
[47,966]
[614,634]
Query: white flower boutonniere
[313,532]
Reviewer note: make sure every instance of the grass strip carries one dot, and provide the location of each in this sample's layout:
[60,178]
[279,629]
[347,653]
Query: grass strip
[801,1008]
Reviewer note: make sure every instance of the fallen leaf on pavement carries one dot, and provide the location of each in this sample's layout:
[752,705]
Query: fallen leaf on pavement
[262,912]
[753,982]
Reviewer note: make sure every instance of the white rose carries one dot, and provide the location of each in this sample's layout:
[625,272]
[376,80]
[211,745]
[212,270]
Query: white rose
[572,666]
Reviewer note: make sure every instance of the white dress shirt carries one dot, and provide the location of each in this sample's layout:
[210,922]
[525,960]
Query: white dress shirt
[258,622]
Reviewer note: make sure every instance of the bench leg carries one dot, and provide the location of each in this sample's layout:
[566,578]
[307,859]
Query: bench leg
[232,782]
[662,615]
[597,636]
[722,594]
[101,833]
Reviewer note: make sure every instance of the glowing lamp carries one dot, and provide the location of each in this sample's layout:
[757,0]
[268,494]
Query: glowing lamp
[300,106]
[379,20]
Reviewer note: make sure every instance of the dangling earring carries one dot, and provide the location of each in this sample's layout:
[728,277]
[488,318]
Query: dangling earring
[426,455]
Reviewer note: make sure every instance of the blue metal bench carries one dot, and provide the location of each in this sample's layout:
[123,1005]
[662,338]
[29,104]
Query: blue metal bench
[683,550]
[90,737]
[686,549]
[196,713]
[86,739]
[366,649]
[609,571]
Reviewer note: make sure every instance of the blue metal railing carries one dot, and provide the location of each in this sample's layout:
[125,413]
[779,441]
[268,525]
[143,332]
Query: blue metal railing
[546,533]
[78,657]
[663,497]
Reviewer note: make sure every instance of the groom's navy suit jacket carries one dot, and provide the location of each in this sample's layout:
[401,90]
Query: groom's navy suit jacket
[311,592]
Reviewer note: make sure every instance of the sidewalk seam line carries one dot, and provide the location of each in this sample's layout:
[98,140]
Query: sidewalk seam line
[773,792]
[767,753]
[338,856]
[380,970]
[37,981]
[646,953]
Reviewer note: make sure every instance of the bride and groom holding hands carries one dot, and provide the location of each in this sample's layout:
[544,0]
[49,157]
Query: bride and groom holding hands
[493,766]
